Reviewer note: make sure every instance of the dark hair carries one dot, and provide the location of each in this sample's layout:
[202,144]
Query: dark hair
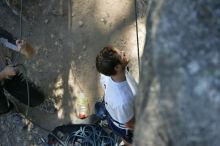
[106,60]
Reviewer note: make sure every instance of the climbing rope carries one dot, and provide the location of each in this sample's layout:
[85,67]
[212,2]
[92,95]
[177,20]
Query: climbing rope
[14,63]
[20,30]
[28,91]
[137,35]
[25,73]
[21,10]
[87,135]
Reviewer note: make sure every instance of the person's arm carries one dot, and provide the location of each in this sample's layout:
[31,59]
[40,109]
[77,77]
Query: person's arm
[7,72]
[7,44]
[7,39]
[16,45]
[8,36]
[130,123]
[20,46]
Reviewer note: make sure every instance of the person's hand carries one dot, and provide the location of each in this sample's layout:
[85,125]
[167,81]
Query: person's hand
[9,71]
[25,48]
[19,44]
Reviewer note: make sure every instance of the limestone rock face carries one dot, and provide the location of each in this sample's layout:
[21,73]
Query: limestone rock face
[179,95]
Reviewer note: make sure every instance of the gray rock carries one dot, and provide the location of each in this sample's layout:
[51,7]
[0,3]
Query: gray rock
[46,21]
[80,23]
[181,63]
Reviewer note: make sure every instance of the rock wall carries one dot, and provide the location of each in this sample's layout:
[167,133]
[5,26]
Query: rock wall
[179,96]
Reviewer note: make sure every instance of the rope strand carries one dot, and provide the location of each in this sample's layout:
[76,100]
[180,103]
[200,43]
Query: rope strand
[21,9]
[137,35]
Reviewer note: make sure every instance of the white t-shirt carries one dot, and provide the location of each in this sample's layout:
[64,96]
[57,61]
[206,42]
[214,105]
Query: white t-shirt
[119,97]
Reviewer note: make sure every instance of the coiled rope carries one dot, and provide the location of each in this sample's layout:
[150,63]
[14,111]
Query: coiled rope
[88,135]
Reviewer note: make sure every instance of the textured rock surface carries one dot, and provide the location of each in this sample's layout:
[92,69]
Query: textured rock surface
[16,130]
[179,98]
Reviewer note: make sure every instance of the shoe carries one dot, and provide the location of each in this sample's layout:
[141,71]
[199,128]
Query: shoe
[48,106]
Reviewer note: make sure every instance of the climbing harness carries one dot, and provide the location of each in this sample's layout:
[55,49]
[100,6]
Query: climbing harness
[102,114]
